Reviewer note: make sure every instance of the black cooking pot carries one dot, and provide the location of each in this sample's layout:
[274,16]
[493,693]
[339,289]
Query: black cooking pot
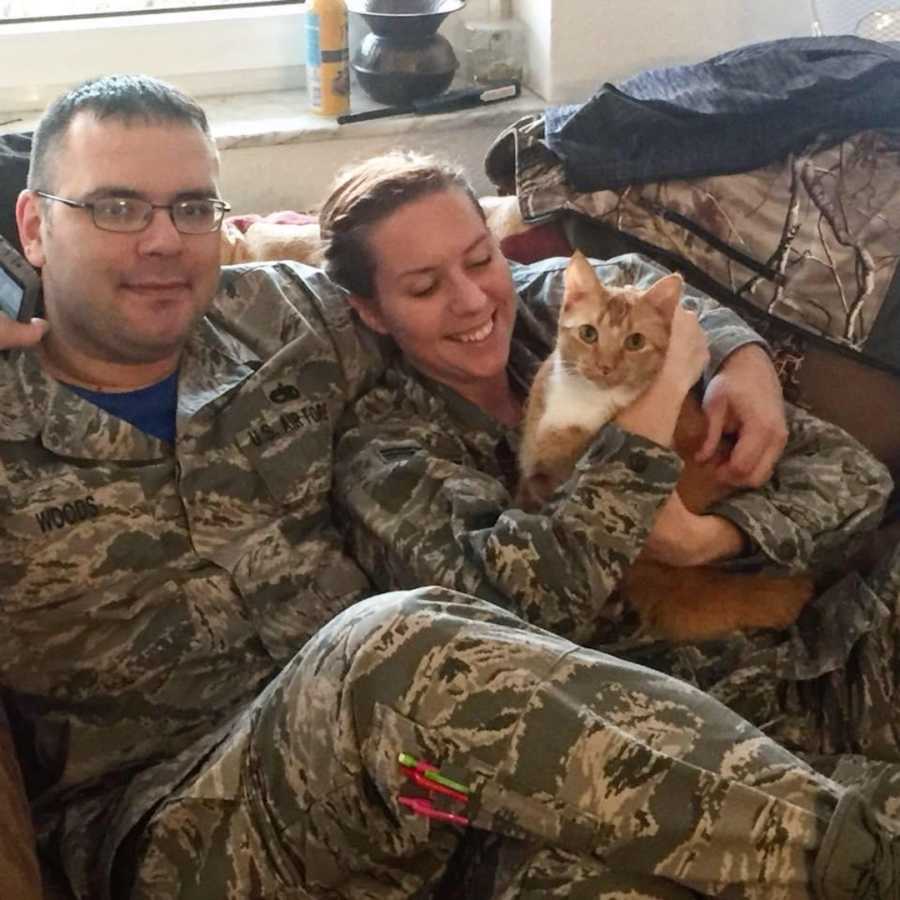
[397,72]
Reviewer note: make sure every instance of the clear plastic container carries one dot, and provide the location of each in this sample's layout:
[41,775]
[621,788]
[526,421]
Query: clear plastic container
[495,50]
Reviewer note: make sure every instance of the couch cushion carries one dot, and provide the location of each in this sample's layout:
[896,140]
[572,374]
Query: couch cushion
[862,399]
[14,153]
[18,861]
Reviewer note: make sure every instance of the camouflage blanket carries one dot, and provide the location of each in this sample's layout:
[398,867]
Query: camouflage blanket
[812,240]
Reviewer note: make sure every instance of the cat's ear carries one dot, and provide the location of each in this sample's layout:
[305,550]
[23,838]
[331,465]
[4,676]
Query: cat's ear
[665,294]
[368,310]
[580,280]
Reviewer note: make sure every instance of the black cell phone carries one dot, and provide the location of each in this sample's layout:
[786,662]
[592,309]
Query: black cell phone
[20,284]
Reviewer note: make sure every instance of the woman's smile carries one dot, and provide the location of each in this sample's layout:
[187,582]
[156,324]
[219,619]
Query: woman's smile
[475,335]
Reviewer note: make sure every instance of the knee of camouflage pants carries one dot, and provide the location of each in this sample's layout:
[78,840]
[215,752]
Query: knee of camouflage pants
[506,869]
[884,579]
[559,745]
[860,854]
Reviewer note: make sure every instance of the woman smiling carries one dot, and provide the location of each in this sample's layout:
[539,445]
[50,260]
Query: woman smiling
[425,467]
[426,462]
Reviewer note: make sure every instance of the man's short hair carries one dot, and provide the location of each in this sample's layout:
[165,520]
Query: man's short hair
[124,98]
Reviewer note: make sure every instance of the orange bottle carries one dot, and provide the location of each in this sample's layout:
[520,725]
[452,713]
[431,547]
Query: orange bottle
[327,57]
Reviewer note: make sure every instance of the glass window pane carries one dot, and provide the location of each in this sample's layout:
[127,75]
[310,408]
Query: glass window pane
[44,9]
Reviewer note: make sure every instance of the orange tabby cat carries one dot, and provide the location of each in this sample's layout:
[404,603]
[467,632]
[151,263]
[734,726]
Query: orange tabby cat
[610,344]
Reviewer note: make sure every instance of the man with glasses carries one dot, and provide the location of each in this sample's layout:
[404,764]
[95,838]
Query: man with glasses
[198,216]
[205,711]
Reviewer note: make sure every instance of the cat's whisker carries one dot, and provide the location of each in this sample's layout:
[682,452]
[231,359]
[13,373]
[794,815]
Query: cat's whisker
[570,368]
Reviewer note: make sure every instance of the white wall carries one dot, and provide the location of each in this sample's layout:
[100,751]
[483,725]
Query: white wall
[592,41]
[296,176]
[575,45]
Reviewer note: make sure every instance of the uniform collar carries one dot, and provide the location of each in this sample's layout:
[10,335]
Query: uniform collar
[212,364]
[34,406]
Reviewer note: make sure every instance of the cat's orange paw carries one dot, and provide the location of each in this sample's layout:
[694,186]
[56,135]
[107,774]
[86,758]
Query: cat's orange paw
[533,492]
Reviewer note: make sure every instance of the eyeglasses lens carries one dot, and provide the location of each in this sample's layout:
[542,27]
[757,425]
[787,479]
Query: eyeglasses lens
[130,214]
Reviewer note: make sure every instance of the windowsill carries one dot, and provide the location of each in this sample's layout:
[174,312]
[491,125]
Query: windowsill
[281,117]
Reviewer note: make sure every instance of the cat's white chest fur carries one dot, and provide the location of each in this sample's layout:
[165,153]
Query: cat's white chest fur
[573,401]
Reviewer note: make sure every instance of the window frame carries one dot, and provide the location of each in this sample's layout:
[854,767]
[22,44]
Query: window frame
[169,6]
[236,50]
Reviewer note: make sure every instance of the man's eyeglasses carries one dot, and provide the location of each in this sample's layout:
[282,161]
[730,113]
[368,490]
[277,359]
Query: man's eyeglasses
[130,214]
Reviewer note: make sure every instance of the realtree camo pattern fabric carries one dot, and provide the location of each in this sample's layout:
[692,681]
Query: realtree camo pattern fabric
[576,756]
[813,239]
[426,479]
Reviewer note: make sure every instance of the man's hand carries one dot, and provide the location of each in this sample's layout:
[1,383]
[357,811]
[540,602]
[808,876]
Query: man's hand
[744,400]
[681,538]
[21,334]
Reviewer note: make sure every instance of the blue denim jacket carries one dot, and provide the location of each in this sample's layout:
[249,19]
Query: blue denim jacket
[732,113]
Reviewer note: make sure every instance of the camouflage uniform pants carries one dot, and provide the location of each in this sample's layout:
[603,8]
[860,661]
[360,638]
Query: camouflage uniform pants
[602,778]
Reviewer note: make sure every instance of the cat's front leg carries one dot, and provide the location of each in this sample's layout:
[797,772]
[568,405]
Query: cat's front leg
[533,492]
[553,457]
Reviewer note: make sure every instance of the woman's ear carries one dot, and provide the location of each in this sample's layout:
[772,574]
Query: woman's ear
[367,307]
[29,217]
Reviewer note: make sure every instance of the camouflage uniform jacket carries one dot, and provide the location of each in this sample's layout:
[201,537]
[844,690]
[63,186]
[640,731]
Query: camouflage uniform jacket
[425,479]
[149,592]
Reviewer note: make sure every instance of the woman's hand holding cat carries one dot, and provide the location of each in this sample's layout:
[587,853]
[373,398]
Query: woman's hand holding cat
[681,538]
[744,399]
[688,353]
[655,413]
